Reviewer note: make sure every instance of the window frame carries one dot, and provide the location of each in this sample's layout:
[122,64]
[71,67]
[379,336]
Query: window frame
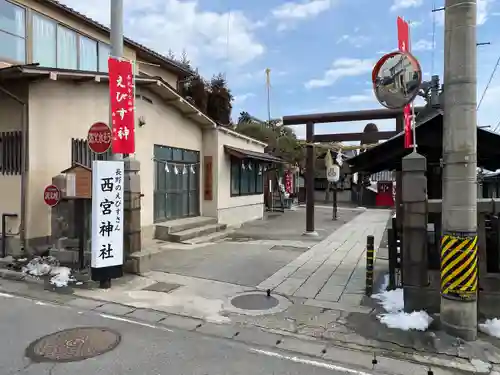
[58,24]
[25,38]
[258,188]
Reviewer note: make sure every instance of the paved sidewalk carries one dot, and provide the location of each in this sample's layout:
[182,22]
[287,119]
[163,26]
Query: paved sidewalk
[333,270]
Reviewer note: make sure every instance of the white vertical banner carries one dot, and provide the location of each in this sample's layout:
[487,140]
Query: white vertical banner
[107,213]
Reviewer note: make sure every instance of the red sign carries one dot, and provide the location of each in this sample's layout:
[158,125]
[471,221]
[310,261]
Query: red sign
[51,195]
[121,91]
[288,182]
[404,46]
[99,137]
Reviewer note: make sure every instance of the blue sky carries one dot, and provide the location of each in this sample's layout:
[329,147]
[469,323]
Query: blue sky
[320,52]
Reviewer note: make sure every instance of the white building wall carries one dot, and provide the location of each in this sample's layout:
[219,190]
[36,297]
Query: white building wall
[235,210]
[61,110]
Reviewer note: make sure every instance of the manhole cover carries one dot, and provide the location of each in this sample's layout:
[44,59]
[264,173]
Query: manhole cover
[254,302]
[75,344]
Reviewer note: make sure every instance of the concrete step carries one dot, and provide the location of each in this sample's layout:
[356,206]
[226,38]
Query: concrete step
[164,229]
[196,232]
[212,237]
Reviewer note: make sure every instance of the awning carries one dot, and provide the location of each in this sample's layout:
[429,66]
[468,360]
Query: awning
[240,153]
[429,131]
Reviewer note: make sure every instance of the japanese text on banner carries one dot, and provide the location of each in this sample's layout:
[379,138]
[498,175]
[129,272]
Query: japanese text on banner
[121,91]
[107,213]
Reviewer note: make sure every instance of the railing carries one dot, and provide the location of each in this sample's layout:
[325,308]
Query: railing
[10,152]
[81,154]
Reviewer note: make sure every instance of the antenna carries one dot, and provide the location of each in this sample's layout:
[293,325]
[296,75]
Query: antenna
[268,87]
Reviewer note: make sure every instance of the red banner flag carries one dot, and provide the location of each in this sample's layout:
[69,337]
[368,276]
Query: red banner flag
[404,46]
[121,95]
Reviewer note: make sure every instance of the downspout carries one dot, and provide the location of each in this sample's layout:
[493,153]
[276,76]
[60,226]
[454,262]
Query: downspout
[24,163]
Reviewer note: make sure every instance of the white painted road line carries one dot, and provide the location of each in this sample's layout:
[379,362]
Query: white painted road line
[121,319]
[310,362]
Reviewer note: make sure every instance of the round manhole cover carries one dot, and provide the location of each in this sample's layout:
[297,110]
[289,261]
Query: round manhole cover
[75,344]
[254,302]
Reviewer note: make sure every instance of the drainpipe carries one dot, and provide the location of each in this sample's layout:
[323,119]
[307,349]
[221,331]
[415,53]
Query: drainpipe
[24,163]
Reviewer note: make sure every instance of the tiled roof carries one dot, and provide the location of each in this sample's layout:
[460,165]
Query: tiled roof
[164,61]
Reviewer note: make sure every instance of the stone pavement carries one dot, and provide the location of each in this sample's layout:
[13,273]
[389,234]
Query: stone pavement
[323,313]
[335,269]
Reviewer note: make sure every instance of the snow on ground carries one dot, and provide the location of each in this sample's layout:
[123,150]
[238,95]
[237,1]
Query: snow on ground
[43,266]
[491,327]
[393,303]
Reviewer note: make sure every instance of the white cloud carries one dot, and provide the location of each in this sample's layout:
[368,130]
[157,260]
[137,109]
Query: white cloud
[354,40]
[404,4]
[422,45]
[177,25]
[343,67]
[366,96]
[240,99]
[291,12]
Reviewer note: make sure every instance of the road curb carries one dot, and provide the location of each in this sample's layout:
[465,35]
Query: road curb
[19,276]
[274,339]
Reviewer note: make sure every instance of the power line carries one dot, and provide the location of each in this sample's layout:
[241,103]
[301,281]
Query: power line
[433,36]
[489,82]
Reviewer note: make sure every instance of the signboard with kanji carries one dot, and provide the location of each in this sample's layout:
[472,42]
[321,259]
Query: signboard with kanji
[121,91]
[99,138]
[107,213]
[333,173]
[51,195]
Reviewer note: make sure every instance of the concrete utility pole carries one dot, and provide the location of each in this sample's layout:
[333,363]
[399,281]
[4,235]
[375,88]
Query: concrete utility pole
[459,271]
[116,37]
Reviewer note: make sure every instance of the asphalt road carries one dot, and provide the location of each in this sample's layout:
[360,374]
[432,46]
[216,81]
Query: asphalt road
[143,349]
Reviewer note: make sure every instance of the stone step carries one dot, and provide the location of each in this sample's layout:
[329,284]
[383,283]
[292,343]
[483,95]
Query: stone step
[196,232]
[212,237]
[165,229]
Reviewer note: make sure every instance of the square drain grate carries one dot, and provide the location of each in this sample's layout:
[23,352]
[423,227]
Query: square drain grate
[162,287]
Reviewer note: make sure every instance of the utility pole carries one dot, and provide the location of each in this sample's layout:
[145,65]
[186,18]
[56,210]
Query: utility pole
[459,271]
[116,36]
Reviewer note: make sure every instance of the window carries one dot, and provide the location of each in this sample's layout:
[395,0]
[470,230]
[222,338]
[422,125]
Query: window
[246,177]
[12,32]
[44,41]
[56,46]
[88,54]
[104,52]
[67,55]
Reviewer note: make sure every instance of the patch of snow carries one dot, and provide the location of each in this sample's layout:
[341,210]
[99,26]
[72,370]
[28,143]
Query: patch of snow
[393,303]
[61,276]
[491,327]
[44,266]
[391,300]
[416,320]
[481,367]
[385,284]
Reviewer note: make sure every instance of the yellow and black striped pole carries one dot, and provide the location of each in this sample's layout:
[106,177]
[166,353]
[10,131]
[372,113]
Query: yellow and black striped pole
[370,257]
[459,270]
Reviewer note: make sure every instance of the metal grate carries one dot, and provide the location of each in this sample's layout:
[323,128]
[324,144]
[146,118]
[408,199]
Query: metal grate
[81,154]
[10,152]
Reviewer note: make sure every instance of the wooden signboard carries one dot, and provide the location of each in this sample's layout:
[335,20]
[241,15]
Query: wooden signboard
[78,182]
[208,177]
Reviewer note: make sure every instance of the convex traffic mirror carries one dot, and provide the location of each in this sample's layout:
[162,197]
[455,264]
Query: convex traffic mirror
[396,79]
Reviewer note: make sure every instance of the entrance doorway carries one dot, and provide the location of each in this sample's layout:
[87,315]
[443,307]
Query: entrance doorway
[176,183]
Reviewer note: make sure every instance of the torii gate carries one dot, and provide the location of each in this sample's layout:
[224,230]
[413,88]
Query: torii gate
[320,118]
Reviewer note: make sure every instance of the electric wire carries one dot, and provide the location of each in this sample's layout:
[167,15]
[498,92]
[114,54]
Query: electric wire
[433,56]
[489,83]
